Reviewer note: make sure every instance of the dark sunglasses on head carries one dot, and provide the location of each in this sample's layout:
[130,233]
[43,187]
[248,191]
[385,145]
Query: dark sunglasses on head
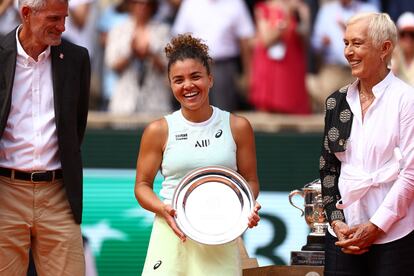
[409,34]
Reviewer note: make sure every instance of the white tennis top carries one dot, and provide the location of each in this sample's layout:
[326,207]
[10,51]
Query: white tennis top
[193,145]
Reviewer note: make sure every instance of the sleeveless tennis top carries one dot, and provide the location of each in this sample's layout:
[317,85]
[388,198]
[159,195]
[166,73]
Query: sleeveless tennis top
[193,145]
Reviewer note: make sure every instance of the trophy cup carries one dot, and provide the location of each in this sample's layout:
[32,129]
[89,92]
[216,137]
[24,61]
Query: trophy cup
[313,252]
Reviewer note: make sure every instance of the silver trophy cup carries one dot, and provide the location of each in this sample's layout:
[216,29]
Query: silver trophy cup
[314,213]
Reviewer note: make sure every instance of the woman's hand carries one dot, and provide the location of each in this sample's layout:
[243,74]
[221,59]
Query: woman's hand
[254,218]
[168,213]
[341,229]
[140,43]
[343,233]
[360,238]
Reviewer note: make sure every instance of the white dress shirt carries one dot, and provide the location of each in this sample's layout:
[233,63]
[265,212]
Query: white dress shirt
[29,141]
[221,23]
[377,169]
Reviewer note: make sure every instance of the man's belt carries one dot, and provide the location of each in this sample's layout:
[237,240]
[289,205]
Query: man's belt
[35,176]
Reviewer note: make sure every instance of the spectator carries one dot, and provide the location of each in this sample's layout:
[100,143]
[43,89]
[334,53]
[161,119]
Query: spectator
[227,28]
[403,58]
[81,24]
[397,7]
[327,41]
[167,11]
[9,17]
[81,30]
[377,3]
[113,15]
[134,50]
[279,50]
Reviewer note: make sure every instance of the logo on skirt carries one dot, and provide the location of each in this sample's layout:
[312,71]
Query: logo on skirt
[157,265]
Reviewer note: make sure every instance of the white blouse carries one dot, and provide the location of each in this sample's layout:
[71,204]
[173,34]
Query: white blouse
[377,169]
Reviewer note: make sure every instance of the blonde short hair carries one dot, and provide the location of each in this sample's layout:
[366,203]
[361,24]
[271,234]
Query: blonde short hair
[380,27]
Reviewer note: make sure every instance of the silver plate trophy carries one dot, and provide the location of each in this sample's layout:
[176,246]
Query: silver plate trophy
[313,252]
[213,205]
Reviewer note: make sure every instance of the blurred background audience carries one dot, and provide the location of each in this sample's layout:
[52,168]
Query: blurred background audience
[135,50]
[277,56]
[167,10]
[111,16]
[9,16]
[80,27]
[333,71]
[227,28]
[397,7]
[403,58]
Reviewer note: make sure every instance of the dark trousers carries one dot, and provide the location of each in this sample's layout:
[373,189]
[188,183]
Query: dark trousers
[225,94]
[389,259]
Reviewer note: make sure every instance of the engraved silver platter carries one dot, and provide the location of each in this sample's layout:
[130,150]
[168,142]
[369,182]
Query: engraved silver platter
[213,205]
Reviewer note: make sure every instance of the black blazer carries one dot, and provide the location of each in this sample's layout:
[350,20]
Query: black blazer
[338,124]
[71,72]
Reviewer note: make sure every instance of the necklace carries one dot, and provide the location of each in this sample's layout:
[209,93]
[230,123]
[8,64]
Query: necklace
[366,100]
[365,97]
[367,104]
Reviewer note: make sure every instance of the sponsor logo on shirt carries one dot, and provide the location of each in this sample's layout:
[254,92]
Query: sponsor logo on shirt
[182,136]
[219,133]
[202,143]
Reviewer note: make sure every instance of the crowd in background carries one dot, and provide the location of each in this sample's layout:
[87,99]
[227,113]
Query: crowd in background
[280,56]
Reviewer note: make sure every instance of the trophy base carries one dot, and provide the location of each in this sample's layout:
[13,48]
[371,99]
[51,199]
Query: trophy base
[313,258]
[315,243]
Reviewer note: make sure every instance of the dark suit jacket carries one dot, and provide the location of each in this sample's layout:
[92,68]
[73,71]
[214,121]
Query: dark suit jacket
[71,81]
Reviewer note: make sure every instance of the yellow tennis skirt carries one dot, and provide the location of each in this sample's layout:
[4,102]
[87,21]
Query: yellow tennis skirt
[168,255]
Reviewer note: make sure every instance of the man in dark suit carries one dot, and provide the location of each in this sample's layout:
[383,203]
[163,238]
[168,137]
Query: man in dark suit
[44,91]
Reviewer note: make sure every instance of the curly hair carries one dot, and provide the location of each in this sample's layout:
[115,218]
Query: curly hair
[185,46]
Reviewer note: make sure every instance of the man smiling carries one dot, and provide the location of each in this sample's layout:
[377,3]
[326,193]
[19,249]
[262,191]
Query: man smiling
[44,90]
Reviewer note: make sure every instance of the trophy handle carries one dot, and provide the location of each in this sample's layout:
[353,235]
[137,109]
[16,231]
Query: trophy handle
[293,193]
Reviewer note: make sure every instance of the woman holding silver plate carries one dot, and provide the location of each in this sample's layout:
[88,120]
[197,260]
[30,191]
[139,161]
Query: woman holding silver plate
[367,162]
[195,136]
